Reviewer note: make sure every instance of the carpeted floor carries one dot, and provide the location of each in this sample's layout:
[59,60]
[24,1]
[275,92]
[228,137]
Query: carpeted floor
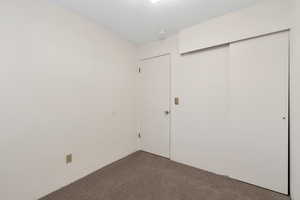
[143,176]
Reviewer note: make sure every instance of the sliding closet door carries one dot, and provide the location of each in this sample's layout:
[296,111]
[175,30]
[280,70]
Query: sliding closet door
[258,114]
[200,120]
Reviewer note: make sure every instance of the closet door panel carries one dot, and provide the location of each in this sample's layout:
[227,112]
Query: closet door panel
[200,120]
[258,113]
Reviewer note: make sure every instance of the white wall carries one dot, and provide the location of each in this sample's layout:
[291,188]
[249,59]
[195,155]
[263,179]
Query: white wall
[295,100]
[171,45]
[67,86]
[263,18]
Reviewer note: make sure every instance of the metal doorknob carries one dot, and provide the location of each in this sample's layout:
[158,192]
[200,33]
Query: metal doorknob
[167,112]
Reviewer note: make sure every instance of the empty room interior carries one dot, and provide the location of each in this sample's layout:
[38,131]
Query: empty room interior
[150,100]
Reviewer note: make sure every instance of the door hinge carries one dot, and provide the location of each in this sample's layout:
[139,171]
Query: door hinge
[139,135]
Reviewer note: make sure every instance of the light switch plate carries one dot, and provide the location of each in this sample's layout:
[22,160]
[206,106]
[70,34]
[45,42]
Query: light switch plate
[69,158]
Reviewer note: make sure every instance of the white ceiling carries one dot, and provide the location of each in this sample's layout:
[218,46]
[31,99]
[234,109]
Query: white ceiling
[140,21]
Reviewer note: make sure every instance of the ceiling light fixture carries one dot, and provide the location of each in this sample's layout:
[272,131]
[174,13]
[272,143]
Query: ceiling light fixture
[155,1]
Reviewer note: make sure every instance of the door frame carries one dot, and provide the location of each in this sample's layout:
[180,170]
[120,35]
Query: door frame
[170,97]
[289,112]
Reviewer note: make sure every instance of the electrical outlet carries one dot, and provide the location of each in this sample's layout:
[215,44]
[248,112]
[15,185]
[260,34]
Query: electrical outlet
[176,100]
[69,158]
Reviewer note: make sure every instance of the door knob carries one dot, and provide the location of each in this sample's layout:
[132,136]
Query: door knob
[167,112]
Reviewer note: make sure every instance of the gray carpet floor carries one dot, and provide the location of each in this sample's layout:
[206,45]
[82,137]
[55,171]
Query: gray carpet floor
[143,176]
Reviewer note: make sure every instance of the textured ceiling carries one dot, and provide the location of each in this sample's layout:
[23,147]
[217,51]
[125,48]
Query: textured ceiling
[140,21]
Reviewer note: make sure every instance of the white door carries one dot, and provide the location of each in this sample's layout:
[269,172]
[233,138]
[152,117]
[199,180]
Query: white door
[232,118]
[200,120]
[259,111]
[154,82]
